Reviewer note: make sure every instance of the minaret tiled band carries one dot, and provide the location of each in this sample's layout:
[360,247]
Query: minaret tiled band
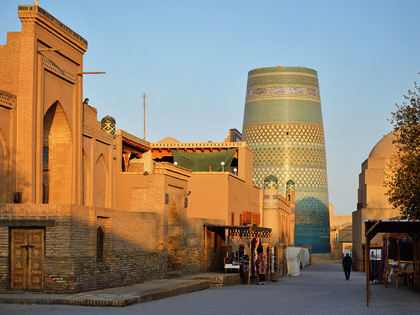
[283,126]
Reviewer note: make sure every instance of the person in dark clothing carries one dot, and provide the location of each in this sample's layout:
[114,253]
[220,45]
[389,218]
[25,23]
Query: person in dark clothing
[347,264]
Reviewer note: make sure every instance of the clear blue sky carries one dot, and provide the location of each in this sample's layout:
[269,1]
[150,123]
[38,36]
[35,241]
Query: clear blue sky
[192,59]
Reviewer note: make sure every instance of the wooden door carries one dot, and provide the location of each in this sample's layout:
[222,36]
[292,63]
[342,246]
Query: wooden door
[27,259]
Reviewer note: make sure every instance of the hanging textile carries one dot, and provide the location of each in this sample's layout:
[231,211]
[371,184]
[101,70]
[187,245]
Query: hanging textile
[203,162]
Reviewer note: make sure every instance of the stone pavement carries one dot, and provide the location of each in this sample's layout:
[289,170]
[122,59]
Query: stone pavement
[120,296]
[320,289]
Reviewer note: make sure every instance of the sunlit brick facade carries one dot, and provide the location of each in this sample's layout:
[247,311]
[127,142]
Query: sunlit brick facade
[84,205]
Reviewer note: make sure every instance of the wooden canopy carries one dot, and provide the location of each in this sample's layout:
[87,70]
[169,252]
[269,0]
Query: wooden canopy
[241,230]
[235,230]
[373,227]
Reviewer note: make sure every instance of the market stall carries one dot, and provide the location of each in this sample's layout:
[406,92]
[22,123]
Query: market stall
[252,234]
[409,227]
[398,251]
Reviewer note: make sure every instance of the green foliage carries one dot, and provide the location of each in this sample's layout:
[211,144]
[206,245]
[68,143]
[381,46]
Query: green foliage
[404,181]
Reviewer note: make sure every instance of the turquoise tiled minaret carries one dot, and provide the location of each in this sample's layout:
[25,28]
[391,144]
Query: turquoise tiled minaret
[283,126]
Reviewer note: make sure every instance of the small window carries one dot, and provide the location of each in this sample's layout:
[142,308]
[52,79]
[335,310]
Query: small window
[100,244]
[45,153]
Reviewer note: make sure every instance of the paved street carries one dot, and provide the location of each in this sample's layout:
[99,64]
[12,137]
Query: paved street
[320,289]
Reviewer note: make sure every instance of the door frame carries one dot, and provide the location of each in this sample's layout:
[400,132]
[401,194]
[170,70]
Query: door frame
[42,254]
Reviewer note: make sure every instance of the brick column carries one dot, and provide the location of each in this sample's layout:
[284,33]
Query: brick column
[26,114]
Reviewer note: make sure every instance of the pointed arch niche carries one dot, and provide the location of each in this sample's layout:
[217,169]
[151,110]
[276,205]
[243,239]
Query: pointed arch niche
[100,182]
[57,156]
[87,180]
[4,178]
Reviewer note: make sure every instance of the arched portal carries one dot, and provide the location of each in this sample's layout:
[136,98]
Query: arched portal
[57,156]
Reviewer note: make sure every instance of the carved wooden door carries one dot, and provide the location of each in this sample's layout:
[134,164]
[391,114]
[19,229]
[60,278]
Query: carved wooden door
[27,259]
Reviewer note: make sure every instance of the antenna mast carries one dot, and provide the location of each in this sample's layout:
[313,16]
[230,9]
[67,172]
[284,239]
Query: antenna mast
[144,114]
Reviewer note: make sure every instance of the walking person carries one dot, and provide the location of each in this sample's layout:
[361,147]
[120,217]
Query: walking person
[261,264]
[347,264]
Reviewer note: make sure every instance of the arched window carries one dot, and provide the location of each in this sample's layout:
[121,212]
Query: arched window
[100,241]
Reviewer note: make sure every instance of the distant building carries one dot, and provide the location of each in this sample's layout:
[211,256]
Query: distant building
[341,234]
[217,191]
[278,212]
[372,203]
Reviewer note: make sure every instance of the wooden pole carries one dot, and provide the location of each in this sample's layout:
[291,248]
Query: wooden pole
[269,258]
[367,263]
[144,114]
[415,264]
[250,256]
[386,261]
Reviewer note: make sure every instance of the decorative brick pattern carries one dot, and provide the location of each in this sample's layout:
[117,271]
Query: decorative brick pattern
[302,176]
[284,134]
[283,91]
[283,126]
[7,100]
[54,68]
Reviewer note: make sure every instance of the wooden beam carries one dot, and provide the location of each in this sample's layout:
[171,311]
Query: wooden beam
[371,229]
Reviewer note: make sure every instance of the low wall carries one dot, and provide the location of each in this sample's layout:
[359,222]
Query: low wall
[131,253]
[323,258]
[133,249]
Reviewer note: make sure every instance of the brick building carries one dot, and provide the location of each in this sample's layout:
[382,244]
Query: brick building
[83,205]
[373,202]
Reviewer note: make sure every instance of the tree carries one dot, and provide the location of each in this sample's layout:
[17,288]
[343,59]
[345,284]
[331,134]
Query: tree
[404,180]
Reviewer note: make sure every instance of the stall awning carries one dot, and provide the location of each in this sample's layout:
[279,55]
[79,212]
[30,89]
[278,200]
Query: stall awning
[411,227]
[241,230]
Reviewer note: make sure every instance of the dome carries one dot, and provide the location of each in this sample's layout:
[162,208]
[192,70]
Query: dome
[290,185]
[108,119]
[169,140]
[385,147]
[271,178]
[271,182]
[108,124]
